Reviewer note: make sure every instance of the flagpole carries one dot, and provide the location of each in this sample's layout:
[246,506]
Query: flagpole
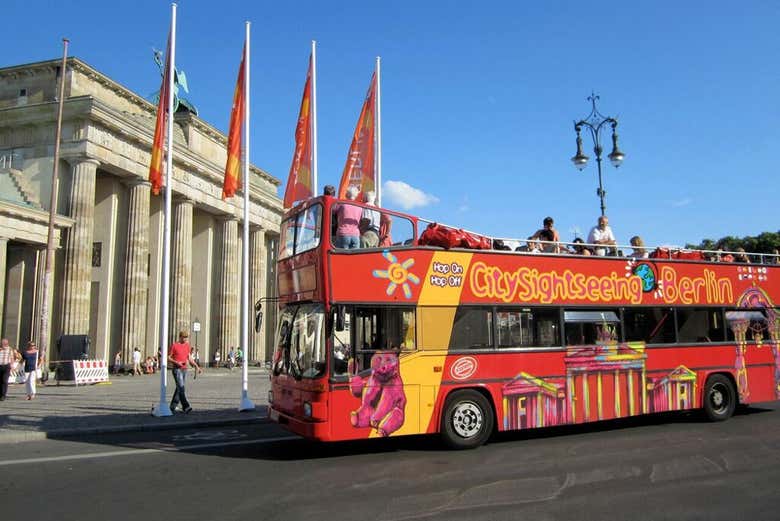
[162,408]
[246,404]
[43,334]
[378,134]
[314,188]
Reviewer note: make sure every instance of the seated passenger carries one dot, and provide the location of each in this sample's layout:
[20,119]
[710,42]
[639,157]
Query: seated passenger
[547,242]
[602,235]
[580,248]
[640,252]
[369,224]
[499,245]
[532,246]
[741,256]
[348,219]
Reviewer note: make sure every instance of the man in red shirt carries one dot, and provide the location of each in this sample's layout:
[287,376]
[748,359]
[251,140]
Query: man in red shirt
[179,357]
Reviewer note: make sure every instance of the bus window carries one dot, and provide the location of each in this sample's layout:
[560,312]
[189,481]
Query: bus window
[649,325]
[700,325]
[308,225]
[380,329]
[400,231]
[287,238]
[300,350]
[472,329]
[528,327]
[591,327]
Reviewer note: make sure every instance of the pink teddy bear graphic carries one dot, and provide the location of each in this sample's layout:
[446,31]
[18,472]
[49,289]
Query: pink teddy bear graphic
[382,394]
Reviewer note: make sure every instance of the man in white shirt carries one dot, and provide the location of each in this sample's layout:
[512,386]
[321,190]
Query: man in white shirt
[136,361]
[601,235]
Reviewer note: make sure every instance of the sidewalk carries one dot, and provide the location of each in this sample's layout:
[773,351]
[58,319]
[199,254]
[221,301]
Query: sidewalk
[125,403]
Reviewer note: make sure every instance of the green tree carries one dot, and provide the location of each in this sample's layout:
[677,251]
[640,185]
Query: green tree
[766,242]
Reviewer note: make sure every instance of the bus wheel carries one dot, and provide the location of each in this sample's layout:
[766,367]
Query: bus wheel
[468,420]
[720,398]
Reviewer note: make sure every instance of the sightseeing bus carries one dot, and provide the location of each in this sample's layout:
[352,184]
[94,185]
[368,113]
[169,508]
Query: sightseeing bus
[412,338]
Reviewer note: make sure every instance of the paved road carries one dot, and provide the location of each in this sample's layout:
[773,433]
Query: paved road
[668,467]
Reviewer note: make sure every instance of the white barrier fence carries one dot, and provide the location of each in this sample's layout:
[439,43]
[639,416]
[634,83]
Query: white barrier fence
[90,371]
[17,376]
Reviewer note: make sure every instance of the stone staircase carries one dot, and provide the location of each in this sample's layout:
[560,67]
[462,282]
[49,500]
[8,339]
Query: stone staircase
[14,187]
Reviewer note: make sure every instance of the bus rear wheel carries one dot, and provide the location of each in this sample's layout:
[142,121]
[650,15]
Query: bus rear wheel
[720,398]
[468,420]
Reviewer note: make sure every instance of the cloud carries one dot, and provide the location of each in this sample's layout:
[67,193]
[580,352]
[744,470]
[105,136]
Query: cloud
[685,201]
[406,196]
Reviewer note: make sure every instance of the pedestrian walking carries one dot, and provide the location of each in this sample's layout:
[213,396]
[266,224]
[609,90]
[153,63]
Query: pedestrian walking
[117,362]
[7,359]
[136,361]
[180,357]
[30,357]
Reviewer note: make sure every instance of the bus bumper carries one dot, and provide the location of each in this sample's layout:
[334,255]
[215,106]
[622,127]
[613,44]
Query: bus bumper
[308,429]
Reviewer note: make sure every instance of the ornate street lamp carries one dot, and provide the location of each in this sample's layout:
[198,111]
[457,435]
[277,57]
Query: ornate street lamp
[595,122]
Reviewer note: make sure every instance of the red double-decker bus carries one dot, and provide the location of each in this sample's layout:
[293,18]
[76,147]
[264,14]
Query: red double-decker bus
[405,338]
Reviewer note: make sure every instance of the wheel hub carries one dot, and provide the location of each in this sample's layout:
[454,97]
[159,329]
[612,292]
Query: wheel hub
[467,420]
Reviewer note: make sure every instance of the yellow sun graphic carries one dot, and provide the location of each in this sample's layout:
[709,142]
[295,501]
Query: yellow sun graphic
[398,274]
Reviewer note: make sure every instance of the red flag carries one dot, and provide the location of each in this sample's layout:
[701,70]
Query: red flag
[233,165]
[156,166]
[360,169]
[299,182]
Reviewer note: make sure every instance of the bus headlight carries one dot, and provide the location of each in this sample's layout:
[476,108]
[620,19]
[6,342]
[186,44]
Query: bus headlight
[270,397]
[307,409]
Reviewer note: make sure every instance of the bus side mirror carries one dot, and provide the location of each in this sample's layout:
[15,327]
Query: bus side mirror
[258,316]
[340,311]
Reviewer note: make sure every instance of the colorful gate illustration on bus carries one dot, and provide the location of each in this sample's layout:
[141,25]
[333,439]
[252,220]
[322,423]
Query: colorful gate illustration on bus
[602,382]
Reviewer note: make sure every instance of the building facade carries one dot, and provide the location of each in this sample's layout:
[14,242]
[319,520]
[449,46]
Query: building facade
[109,227]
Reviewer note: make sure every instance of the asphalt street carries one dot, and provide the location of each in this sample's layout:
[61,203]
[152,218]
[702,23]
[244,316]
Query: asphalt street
[652,468]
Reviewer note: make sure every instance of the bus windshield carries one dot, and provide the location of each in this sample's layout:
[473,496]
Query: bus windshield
[299,344]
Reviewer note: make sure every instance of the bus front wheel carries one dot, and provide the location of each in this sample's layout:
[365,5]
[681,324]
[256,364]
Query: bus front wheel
[720,398]
[468,420]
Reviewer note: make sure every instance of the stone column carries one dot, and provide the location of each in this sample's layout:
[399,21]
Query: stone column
[257,276]
[78,250]
[228,332]
[181,267]
[136,282]
[3,257]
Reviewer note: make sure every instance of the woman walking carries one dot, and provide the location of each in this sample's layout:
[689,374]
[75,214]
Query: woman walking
[30,357]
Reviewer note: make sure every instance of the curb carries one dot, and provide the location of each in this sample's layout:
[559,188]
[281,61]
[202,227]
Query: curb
[23,436]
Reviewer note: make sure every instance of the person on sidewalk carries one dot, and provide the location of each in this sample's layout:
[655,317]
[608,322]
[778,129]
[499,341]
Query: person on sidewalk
[179,356]
[137,361]
[30,357]
[117,362]
[7,359]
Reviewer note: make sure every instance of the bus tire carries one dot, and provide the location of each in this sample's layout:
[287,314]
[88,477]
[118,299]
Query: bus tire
[720,398]
[468,420]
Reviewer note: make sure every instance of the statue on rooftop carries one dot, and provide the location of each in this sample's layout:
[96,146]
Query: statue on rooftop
[179,81]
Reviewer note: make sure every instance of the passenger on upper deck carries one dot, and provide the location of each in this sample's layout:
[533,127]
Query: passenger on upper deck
[547,226]
[640,252]
[369,224]
[329,190]
[602,235]
[741,256]
[580,248]
[385,227]
[776,258]
[348,220]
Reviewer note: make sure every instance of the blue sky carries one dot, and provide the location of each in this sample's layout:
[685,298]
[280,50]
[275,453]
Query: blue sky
[479,99]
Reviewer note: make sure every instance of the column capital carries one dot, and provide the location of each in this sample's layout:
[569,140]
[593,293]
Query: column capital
[136,181]
[182,199]
[79,159]
[226,217]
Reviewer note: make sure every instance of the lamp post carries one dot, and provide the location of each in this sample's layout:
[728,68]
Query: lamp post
[595,122]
